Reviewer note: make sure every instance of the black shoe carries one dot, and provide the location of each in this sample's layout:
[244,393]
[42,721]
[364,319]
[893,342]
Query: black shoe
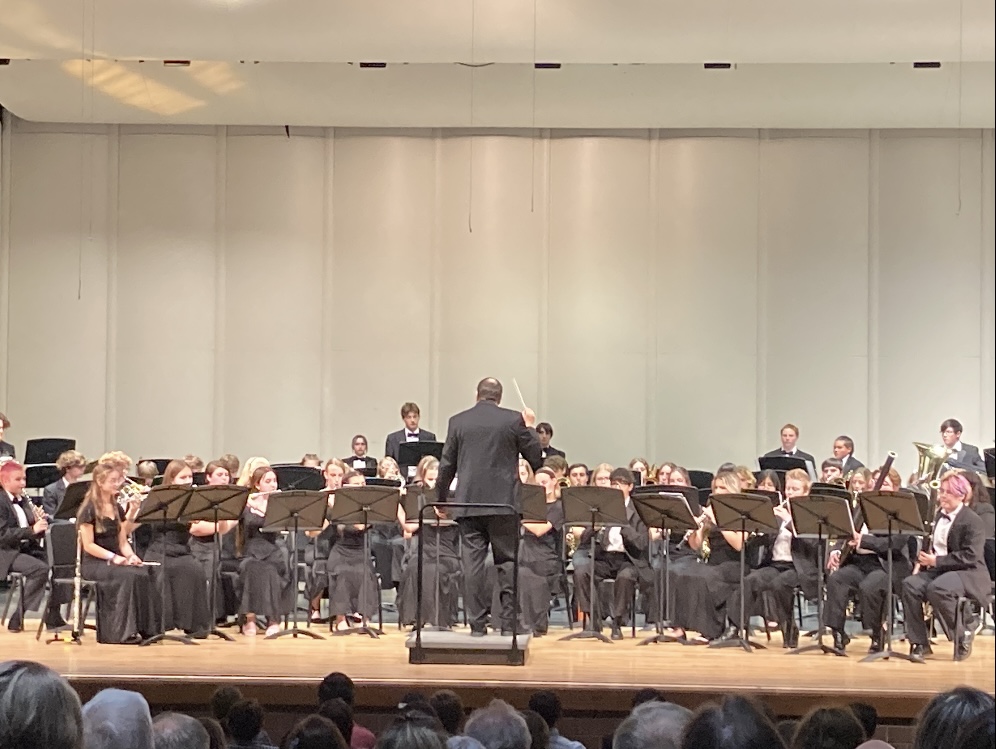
[15,624]
[507,631]
[731,633]
[840,640]
[478,632]
[790,635]
[616,631]
[963,647]
[917,653]
[539,633]
[876,642]
[198,634]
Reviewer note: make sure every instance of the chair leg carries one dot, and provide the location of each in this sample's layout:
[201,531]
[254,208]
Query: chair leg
[44,610]
[633,618]
[6,604]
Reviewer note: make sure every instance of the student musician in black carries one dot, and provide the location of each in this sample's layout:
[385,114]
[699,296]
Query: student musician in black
[185,596]
[203,549]
[264,575]
[352,584]
[541,566]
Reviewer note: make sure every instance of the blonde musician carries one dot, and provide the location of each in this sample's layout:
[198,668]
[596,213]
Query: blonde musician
[318,550]
[71,465]
[185,595]
[860,480]
[865,573]
[352,584]
[251,466]
[311,460]
[746,477]
[526,475]
[203,549]
[127,603]
[699,592]
[388,468]
[263,572]
[22,527]
[787,562]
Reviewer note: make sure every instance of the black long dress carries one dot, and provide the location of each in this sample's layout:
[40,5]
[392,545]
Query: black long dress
[442,541]
[181,581]
[352,584]
[263,572]
[699,591]
[226,599]
[541,570]
[127,603]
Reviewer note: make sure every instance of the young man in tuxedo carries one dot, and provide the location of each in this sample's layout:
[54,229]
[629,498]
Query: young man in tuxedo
[843,450]
[954,567]
[790,436]
[20,550]
[410,415]
[963,455]
[482,451]
[71,465]
[545,432]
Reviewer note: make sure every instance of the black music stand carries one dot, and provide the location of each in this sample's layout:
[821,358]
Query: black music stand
[295,476]
[295,510]
[410,454]
[592,506]
[820,516]
[667,511]
[214,504]
[889,512]
[365,505]
[164,504]
[743,513]
[46,449]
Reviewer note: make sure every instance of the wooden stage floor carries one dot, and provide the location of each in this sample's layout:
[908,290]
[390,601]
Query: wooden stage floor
[593,677]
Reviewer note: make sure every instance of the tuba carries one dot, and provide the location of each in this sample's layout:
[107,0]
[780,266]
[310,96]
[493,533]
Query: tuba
[930,461]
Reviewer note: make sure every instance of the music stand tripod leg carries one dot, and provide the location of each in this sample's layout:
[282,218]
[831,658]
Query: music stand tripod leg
[294,630]
[820,582]
[364,628]
[215,583]
[164,635]
[887,652]
[663,610]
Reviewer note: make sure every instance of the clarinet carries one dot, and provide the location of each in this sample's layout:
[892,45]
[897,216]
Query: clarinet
[77,605]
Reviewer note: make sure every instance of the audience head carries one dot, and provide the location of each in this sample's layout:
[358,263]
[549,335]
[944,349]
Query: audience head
[828,728]
[177,731]
[946,714]
[648,695]
[413,730]
[867,716]
[222,701]
[498,726]
[245,720]
[339,713]
[736,723]
[978,733]
[116,719]
[315,732]
[337,684]
[417,701]
[449,708]
[539,731]
[547,705]
[38,708]
[216,734]
[652,725]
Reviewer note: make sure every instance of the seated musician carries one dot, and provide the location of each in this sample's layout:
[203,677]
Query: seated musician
[320,546]
[678,550]
[127,603]
[640,467]
[963,455]
[202,547]
[540,559]
[71,465]
[544,430]
[440,558]
[526,475]
[978,500]
[311,460]
[843,450]
[264,575]
[619,550]
[557,464]
[866,573]
[388,468]
[954,567]
[699,592]
[832,471]
[600,476]
[577,474]
[860,480]
[788,562]
[181,574]
[769,481]
[22,527]
[146,471]
[360,461]
[352,584]
[251,466]
[747,479]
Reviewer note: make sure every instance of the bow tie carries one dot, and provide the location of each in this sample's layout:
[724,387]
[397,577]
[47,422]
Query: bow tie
[787,453]
[945,516]
[412,434]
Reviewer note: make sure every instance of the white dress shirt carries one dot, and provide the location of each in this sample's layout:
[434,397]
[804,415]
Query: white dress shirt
[781,549]
[941,529]
[411,436]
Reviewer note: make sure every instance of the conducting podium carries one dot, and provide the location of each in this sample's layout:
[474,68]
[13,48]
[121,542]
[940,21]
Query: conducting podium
[890,514]
[667,509]
[294,511]
[594,507]
[364,506]
[743,513]
[821,517]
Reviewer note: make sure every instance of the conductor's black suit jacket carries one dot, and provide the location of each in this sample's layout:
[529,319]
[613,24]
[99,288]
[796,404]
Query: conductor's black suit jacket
[482,450]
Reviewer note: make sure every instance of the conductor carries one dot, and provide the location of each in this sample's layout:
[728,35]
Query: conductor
[482,450]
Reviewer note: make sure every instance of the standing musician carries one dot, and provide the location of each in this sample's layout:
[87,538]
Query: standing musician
[352,584]
[71,465]
[182,575]
[411,432]
[482,448]
[22,525]
[540,558]
[955,567]
[622,554]
[843,450]
[263,573]
[127,605]
[544,431]
[202,547]
[866,572]
[788,562]
[790,436]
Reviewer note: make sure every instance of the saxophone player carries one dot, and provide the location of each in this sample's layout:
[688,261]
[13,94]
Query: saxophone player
[22,526]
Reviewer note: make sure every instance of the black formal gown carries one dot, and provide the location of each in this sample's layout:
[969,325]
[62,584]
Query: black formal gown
[226,598]
[263,572]
[440,565]
[699,591]
[127,602]
[541,570]
[181,580]
[352,584]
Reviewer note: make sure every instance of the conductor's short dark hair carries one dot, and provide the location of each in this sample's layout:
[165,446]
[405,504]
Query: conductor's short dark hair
[489,389]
